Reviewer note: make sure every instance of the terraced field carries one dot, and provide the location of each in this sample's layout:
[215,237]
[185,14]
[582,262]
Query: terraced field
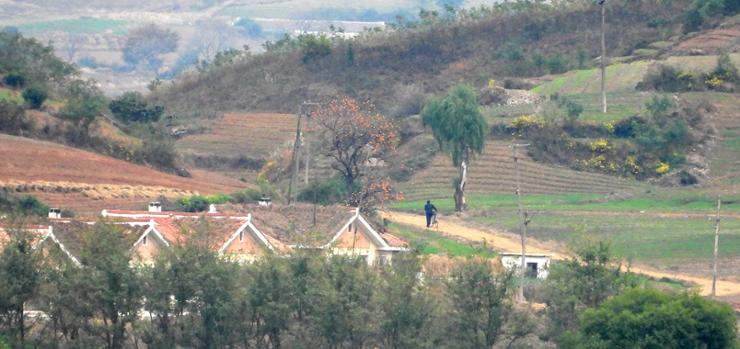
[493,172]
[254,135]
[623,77]
[81,179]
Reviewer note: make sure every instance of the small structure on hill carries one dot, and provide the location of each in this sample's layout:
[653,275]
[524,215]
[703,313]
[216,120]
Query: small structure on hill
[537,264]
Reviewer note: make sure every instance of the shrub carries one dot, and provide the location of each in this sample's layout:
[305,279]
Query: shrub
[35,97]
[131,107]
[573,108]
[648,318]
[25,205]
[195,203]
[15,80]
[669,79]
[324,192]
[314,47]
[600,145]
[159,153]
[12,120]
[726,70]
[662,168]
[246,196]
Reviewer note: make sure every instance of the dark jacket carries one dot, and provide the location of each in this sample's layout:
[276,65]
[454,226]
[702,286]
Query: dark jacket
[429,209]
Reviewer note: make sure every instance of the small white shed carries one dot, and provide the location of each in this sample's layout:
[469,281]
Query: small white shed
[537,264]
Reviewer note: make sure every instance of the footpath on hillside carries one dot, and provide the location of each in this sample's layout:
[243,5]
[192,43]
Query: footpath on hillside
[508,242]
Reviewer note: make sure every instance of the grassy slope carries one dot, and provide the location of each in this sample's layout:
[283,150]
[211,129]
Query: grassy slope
[428,242]
[434,57]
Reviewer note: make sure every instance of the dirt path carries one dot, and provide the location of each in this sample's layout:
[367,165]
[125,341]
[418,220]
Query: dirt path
[503,241]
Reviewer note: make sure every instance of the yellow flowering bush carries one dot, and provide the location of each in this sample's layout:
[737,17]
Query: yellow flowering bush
[596,162]
[600,145]
[524,122]
[714,81]
[662,168]
[609,127]
[630,163]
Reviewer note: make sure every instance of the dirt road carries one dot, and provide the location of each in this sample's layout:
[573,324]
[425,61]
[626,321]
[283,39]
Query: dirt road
[504,241]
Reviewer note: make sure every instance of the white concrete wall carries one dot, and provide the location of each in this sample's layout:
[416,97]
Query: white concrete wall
[543,263]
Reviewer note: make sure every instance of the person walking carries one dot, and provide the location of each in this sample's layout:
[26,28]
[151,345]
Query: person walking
[430,211]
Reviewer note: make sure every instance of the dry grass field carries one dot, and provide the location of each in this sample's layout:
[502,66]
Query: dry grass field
[71,177]
[253,135]
[493,172]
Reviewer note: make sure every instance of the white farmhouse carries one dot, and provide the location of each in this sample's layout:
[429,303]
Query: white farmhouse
[537,264]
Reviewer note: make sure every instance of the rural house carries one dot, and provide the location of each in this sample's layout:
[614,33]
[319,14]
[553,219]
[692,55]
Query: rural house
[538,264]
[334,229]
[232,235]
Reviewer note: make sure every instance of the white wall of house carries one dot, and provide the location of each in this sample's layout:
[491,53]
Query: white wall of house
[537,264]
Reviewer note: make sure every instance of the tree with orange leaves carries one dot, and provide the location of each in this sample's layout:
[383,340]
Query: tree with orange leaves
[353,134]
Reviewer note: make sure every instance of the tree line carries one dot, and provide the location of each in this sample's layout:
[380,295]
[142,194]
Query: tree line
[191,297]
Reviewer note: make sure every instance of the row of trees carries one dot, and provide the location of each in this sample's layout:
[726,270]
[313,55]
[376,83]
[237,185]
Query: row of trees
[190,297]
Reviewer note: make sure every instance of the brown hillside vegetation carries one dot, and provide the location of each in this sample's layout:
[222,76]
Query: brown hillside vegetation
[77,178]
[252,135]
[493,172]
[435,55]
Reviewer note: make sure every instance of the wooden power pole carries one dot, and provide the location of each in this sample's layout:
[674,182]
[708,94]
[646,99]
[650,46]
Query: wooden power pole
[716,248]
[522,220]
[603,55]
[296,158]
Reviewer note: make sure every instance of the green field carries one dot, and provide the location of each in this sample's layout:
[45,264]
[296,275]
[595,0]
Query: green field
[666,201]
[10,96]
[77,26]
[665,229]
[428,242]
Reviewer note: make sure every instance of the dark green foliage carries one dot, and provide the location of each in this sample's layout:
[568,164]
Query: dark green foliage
[35,97]
[653,319]
[159,153]
[666,78]
[584,281]
[460,130]
[314,47]
[84,103]
[131,107]
[24,205]
[479,305]
[725,70]
[12,118]
[457,123]
[28,61]
[21,279]
[249,27]
[703,12]
[195,203]
[327,192]
[15,80]
[573,108]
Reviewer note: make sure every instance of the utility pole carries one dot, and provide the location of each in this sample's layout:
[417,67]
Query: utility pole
[522,219]
[716,248]
[295,158]
[603,55]
[308,144]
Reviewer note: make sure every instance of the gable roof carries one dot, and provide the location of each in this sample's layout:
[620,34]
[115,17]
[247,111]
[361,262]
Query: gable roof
[385,243]
[217,229]
[294,225]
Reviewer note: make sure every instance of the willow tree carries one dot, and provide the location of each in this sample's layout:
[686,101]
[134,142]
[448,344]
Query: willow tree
[460,130]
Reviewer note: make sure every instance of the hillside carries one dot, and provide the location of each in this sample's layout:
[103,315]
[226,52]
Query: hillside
[432,54]
[86,182]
